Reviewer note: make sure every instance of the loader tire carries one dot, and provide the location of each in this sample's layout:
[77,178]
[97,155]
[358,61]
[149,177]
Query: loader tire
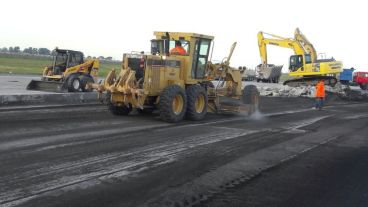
[73,83]
[250,95]
[84,81]
[173,104]
[197,102]
[117,110]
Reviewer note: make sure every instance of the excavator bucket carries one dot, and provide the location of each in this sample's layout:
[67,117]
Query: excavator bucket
[270,73]
[40,85]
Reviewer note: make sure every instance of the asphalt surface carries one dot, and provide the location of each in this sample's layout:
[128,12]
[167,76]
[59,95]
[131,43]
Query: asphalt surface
[13,92]
[17,84]
[289,154]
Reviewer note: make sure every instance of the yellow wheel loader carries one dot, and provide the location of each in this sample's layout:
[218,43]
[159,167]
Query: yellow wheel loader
[69,72]
[178,85]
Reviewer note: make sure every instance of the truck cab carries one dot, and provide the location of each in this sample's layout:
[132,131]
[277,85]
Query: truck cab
[361,78]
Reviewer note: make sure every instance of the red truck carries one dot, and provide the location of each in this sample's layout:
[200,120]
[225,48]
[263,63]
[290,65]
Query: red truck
[361,78]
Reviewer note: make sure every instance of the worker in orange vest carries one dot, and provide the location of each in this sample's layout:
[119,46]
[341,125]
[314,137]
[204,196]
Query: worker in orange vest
[178,49]
[320,94]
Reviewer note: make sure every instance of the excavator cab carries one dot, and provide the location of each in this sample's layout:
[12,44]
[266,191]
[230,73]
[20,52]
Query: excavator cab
[296,62]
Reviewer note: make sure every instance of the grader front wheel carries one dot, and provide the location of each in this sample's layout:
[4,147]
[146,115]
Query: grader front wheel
[250,95]
[173,104]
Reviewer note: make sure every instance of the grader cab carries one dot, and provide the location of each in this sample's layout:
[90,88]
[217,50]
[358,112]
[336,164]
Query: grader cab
[178,85]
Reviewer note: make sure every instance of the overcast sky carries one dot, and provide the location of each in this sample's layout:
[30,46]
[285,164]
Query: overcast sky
[111,27]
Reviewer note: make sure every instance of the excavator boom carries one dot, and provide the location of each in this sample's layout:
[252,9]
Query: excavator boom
[304,42]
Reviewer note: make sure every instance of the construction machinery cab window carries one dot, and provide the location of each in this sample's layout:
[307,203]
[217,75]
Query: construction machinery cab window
[60,62]
[164,46]
[296,62]
[184,44]
[308,59]
[75,59]
[157,47]
[200,58]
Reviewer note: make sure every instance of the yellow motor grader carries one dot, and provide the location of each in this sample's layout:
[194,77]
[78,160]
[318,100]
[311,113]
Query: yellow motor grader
[178,85]
[69,72]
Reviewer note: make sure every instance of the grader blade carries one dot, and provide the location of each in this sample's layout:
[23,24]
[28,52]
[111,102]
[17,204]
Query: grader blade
[228,104]
[247,103]
[51,86]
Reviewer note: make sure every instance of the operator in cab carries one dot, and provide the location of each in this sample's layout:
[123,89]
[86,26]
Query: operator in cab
[178,49]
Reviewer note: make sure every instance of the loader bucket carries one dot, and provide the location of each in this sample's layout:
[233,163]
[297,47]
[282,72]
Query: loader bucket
[52,86]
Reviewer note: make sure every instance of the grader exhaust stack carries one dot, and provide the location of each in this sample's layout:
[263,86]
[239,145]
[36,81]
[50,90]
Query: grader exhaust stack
[178,86]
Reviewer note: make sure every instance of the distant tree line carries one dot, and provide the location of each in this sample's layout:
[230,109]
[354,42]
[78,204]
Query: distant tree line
[29,50]
[40,51]
[100,58]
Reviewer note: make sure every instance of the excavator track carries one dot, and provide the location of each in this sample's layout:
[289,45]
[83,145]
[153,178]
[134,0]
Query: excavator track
[311,80]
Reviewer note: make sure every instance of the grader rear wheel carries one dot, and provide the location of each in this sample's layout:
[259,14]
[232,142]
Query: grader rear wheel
[197,102]
[173,104]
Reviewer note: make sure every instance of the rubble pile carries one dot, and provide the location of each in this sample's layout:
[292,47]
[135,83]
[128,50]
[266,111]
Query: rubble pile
[303,91]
